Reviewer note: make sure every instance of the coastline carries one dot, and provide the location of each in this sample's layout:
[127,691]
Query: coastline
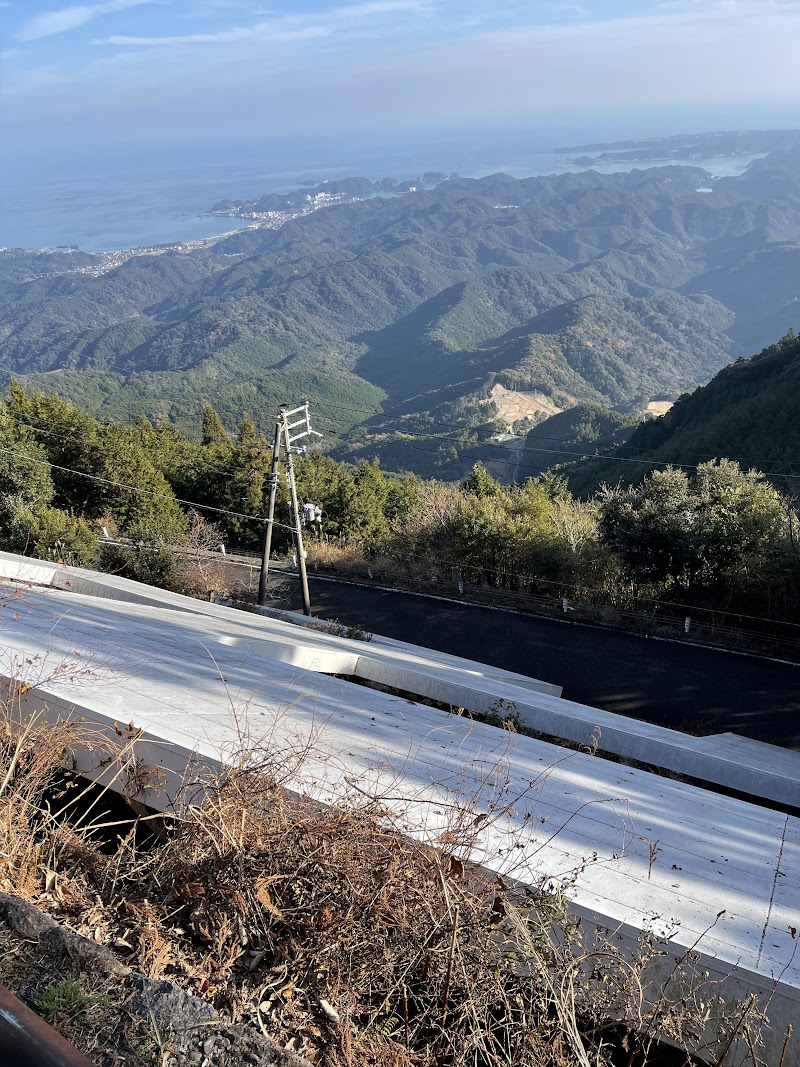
[544,164]
[103,262]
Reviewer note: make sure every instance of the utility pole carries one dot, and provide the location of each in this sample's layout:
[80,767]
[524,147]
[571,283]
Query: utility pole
[273,492]
[298,529]
[286,434]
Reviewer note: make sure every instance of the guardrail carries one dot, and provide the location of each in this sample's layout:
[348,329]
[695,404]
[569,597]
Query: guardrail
[26,1040]
[714,627]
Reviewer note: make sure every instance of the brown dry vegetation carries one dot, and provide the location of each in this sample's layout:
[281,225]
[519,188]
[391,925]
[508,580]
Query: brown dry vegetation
[332,931]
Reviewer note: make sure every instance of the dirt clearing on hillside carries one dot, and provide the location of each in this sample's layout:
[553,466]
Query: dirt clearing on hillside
[515,406]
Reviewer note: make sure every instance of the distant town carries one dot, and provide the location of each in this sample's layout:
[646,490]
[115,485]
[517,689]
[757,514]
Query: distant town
[269,212]
[277,208]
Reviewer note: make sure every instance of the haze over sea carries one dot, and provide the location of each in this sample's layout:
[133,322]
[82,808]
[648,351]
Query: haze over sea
[127,199]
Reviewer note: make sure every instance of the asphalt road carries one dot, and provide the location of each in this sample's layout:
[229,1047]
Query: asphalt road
[667,683]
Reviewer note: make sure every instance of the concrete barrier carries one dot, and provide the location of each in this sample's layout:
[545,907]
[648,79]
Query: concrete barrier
[182,693]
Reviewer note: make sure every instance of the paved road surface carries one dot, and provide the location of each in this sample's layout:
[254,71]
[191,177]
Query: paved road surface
[670,684]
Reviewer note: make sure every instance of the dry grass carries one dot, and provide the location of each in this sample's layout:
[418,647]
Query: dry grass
[659,407]
[514,406]
[335,933]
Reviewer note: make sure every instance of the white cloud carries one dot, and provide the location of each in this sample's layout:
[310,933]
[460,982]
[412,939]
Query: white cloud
[231,36]
[432,64]
[283,28]
[50,23]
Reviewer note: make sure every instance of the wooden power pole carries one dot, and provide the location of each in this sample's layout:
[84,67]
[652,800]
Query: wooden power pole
[273,492]
[286,435]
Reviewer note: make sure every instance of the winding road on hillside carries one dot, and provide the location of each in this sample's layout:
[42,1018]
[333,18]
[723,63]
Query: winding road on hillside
[669,683]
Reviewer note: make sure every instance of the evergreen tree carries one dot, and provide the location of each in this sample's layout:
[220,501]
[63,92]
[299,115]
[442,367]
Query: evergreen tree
[481,484]
[213,430]
[248,463]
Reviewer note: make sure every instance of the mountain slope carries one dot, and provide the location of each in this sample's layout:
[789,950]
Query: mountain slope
[582,430]
[596,287]
[749,412]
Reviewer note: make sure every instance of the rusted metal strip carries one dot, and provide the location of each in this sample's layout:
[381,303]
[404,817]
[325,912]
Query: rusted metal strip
[27,1041]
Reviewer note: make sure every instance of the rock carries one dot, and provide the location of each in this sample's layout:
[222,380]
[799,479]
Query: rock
[174,1014]
[26,920]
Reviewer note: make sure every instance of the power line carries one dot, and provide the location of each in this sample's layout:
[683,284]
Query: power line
[526,437]
[543,437]
[206,465]
[578,457]
[465,565]
[138,489]
[575,455]
[256,518]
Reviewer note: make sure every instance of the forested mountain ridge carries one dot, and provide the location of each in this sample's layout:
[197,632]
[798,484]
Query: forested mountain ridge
[749,412]
[604,288]
[686,146]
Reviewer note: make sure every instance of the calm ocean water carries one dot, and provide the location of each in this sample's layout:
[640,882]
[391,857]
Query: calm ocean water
[112,203]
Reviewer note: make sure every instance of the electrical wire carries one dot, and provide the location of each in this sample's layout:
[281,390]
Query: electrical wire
[519,464]
[258,518]
[138,489]
[577,457]
[206,466]
[530,436]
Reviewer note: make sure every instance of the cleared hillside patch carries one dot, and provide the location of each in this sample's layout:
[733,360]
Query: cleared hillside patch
[514,406]
[659,407]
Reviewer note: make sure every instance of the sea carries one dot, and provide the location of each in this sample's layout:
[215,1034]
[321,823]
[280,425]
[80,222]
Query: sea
[133,199]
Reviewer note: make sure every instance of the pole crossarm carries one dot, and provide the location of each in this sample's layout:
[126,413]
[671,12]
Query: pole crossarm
[305,423]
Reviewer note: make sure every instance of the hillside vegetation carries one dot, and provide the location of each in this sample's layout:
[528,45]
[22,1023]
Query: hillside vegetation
[398,314]
[750,412]
[715,537]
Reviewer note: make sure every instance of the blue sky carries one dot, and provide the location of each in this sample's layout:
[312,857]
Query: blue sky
[138,70]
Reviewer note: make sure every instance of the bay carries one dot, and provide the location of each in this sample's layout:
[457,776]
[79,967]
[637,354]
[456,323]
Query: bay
[134,200]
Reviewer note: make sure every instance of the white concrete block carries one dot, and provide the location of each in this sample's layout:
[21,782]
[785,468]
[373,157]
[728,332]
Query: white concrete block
[644,845]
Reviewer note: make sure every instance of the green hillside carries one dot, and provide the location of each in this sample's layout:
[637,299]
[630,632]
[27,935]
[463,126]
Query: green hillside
[582,430]
[403,311]
[750,412]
